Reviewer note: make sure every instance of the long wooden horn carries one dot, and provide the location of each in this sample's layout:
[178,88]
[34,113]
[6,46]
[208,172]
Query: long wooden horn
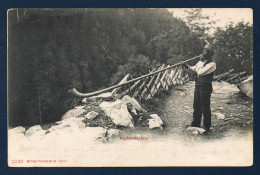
[78,94]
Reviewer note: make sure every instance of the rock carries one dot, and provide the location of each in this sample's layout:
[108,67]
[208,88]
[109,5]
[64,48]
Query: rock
[219,115]
[60,129]
[111,133]
[155,122]
[76,112]
[247,87]
[136,105]
[68,125]
[74,123]
[194,130]
[16,135]
[61,126]
[118,113]
[35,132]
[101,97]
[32,130]
[18,129]
[95,133]
[91,115]
[131,109]
[221,108]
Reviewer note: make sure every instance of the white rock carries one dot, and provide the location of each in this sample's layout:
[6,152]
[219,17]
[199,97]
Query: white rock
[220,115]
[35,133]
[196,129]
[85,100]
[67,126]
[195,132]
[155,122]
[76,112]
[17,139]
[74,123]
[18,129]
[61,128]
[103,96]
[118,113]
[95,133]
[91,115]
[33,130]
[136,105]
[16,135]
[111,133]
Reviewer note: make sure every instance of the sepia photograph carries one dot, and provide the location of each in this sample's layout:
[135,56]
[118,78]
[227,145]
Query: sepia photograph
[130,87]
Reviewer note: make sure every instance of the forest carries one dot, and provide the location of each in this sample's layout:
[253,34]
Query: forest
[53,50]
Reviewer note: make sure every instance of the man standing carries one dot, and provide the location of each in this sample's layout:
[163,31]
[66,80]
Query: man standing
[204,71]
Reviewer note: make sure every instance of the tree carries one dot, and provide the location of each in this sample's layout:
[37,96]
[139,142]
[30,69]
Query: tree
[52,51]
[201,25]
[234,47]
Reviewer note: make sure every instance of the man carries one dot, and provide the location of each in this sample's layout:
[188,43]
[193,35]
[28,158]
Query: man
[204,71]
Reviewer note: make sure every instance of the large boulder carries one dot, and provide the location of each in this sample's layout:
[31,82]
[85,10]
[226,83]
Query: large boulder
[16,130]
[16,135]
[61,128]
[76,112]
[35,132]
[69,125]
[136,105]
[155,121]
[118,113]
[247,87]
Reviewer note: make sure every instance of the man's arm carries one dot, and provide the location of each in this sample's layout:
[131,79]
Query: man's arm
[193,68]
[209,68]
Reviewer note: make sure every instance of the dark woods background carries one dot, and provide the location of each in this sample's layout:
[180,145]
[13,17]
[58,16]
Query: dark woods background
[52,51]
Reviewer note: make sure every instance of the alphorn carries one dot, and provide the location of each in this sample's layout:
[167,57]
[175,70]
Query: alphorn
[79,94]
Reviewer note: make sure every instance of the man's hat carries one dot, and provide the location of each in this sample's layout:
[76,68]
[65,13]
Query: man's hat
[209,47]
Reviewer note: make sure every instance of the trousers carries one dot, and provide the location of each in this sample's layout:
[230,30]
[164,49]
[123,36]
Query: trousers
[201,105]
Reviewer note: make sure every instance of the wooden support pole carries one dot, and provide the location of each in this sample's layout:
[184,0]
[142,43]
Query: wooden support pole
[172,75]
[141,86]
[224,75]
[163,85]
[130,89]
[149,84]
[157,84]
[175,77]
[163,81]
[237,75]
[154,86]
[114,91]
[150,93]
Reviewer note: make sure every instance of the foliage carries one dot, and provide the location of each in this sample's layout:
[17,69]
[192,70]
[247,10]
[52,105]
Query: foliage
[234,48]
[200,24]
[136,66]
[51,51]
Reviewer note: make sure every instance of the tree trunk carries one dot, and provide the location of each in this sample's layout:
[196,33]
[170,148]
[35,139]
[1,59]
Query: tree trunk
[39,105]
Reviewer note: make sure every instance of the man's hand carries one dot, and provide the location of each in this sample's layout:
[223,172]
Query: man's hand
[202,57]
[186,66]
